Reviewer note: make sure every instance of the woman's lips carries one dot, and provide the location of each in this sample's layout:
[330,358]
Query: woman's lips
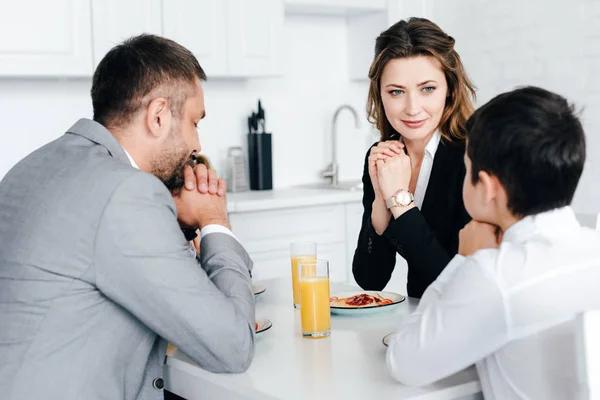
[414,124]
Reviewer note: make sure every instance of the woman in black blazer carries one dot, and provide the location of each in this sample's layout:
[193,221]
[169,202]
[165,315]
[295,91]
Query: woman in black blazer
[420,96]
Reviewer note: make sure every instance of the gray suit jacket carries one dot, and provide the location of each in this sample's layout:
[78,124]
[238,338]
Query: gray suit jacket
[96,277]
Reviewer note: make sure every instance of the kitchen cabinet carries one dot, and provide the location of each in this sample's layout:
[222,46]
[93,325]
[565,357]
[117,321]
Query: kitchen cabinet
[45,38]
[68,38]
[230,38]
[267,236]
[254,33]
[334,7]
[354,213]
[117,20]
[365,20]
[199,25]
[363,29]
[267,223]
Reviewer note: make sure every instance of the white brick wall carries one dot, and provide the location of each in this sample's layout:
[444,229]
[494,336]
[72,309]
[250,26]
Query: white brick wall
[554,44]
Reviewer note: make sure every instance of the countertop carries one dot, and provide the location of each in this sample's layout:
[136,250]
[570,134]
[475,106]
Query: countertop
[262,200]
[348,365]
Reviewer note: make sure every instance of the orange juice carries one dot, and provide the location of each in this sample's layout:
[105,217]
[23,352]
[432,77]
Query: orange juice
[314,309]
[295,285]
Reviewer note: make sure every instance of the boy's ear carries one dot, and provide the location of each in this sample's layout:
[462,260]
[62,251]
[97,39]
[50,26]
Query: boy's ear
[492,187]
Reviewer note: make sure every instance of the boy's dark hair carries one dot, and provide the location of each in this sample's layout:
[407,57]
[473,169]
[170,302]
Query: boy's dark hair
[142,67]
[533,142]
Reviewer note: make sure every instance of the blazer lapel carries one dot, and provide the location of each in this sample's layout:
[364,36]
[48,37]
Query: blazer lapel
[97,133]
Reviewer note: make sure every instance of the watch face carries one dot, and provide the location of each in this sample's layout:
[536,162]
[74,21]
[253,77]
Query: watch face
[403,198]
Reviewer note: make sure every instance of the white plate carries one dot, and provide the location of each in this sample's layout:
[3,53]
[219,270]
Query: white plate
[386,339]
[263,325]
[258,289]
[349,310]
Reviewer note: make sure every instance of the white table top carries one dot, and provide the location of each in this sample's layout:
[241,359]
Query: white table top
[348,365]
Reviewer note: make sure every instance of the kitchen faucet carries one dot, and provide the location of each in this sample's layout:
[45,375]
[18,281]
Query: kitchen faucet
[331,172]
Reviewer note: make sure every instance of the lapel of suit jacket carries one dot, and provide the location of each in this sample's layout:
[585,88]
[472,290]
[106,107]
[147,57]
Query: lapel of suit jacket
[436,179]
[97,133]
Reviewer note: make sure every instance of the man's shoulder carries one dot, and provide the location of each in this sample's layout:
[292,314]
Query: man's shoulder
[140,184]
[100,165]
[80,170]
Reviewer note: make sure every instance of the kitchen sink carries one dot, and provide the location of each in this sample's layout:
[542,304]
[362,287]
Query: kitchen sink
[350,186]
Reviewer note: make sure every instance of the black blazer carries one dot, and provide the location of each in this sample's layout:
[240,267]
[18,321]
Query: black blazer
[427,239]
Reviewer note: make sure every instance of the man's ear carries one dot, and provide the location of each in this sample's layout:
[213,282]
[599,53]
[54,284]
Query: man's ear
[158,117]
[491,186]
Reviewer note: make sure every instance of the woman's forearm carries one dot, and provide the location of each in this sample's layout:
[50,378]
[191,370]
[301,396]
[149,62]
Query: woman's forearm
[380,216]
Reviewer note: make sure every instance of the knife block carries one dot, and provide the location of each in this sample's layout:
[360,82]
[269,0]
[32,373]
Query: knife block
[260,161]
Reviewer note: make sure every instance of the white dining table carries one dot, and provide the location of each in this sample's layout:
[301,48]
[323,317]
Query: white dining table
[348,365]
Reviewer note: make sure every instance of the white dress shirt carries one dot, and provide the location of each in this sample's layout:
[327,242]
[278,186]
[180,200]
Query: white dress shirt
[426,166]
[212,228]
[510,311]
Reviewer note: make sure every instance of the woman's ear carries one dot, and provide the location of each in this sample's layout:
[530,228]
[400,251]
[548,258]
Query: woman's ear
[158,117]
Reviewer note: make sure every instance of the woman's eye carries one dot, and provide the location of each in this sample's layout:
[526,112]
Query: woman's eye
[428,89]
[396,92]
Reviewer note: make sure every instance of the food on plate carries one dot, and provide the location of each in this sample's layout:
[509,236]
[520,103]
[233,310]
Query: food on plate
[255,326]
[361,300]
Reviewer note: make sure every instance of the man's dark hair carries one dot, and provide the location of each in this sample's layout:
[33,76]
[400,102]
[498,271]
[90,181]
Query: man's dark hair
[140,69]
[533,142]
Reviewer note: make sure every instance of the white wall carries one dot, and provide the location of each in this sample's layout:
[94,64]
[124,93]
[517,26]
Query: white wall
[554,44]
[551,43]
[299,107]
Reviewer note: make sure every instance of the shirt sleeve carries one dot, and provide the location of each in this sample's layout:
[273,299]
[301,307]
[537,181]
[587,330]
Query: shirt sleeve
[460,320]
[213,228]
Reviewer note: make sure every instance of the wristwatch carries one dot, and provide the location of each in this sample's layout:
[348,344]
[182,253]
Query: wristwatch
[402,198]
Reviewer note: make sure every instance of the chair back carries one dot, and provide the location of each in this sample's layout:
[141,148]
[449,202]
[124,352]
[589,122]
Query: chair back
[588,355]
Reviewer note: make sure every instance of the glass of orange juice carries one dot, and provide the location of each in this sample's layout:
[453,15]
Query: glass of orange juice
[300,251]
[313,278]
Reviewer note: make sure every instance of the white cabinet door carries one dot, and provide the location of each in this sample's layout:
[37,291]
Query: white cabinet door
[353,216]
[277,263]
[45,38]
[267,236]
[334,7]
[362,32]
[364,29]
[199,25]
[335,253]
[255,37]
[403,9]
[117,20]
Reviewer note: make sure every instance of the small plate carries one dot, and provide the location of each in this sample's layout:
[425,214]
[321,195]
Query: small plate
[386,339]
[350,310]
[263,325]
[258,289]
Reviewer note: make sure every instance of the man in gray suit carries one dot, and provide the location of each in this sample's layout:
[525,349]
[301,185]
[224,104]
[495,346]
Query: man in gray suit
[96,275]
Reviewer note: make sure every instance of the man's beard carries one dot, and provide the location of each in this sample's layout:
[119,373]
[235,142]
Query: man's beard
[175,180]
[169,165]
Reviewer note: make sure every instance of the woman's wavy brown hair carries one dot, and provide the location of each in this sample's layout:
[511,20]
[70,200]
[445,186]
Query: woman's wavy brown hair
[416,37]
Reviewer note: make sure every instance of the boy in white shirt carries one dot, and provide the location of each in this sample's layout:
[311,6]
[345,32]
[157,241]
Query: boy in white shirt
[509,306]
